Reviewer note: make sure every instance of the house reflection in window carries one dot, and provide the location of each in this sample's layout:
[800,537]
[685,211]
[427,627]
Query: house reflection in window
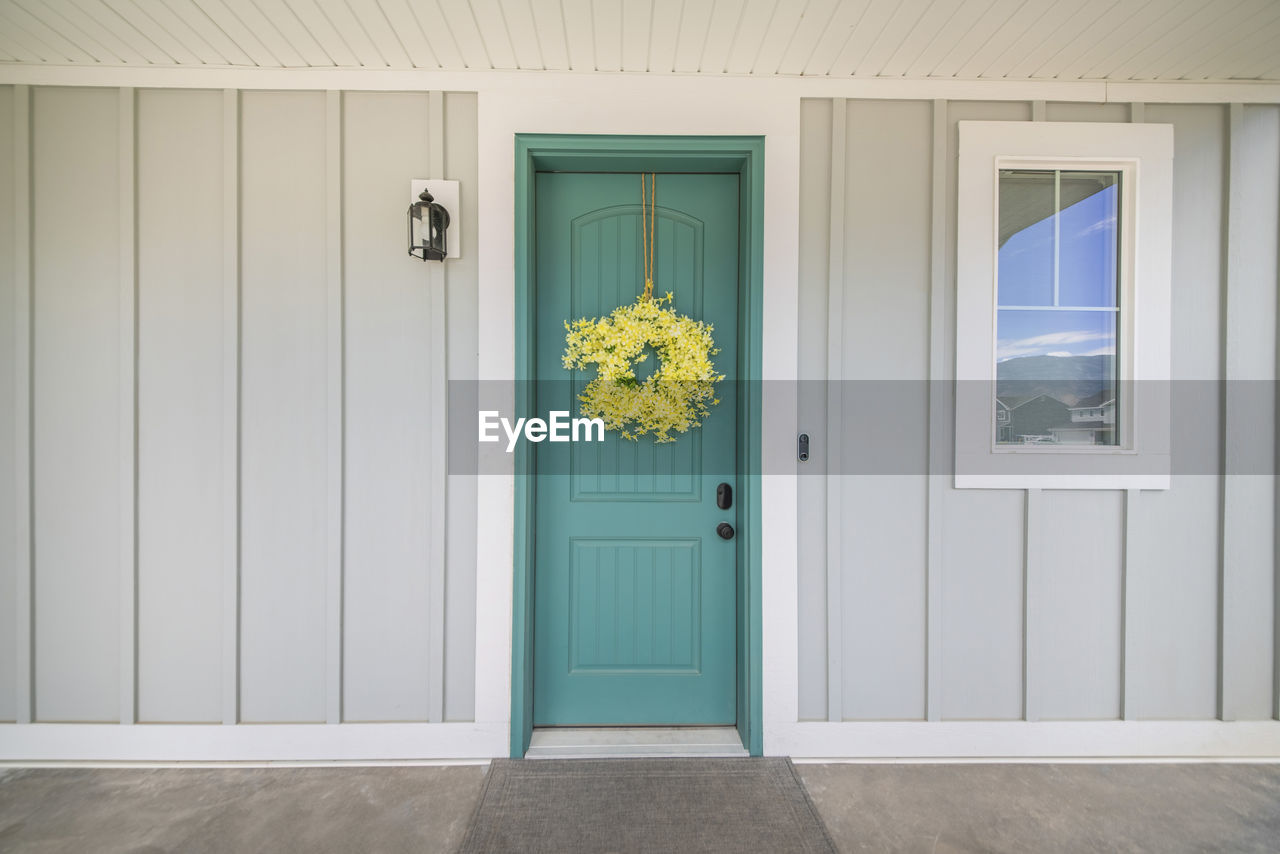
[1058,307]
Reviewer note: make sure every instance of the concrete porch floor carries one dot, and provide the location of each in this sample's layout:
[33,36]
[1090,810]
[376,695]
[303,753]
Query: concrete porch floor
[927,808]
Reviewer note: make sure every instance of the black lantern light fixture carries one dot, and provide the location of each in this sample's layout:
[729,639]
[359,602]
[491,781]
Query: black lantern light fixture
[428,224]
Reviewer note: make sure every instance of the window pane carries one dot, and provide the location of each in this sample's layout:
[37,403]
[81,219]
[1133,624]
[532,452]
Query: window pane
[1056,377]
[1025,273]
[1088,234]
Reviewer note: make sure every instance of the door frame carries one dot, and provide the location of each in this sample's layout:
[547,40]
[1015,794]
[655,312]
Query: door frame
[740,155]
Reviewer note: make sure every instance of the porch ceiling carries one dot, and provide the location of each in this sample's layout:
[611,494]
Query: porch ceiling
[1011,39]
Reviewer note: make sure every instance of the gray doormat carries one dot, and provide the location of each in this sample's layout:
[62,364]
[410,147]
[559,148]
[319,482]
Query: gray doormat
[634,805]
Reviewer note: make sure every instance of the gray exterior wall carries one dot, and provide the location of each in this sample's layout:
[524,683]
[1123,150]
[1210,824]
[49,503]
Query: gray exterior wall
[222,424]
[219,412]
[922,602]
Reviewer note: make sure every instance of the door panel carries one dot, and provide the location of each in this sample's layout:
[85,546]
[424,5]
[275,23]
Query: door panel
[635,606]
[634,591]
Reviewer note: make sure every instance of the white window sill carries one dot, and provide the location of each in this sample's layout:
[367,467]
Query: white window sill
[1062,481]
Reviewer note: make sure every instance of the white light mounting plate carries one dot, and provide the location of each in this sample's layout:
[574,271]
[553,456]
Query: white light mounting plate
[445,193]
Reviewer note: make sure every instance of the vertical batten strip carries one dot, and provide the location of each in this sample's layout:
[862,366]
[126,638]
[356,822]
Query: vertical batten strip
[835,411]
[1228,590]
[128,438]
[1127,635]
[230,406]
[439,483]
[22,372]
[334,400]
[1037,111]
[1130,560]
[938,414]
[1031,564]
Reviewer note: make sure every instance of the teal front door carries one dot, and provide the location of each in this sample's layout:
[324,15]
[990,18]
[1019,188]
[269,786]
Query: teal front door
[634,589]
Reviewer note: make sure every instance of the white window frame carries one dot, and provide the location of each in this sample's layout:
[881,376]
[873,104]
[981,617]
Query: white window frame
[1127,168]
[1143,154]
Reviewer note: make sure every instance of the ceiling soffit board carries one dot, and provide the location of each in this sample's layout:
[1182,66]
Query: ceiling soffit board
[1113,40]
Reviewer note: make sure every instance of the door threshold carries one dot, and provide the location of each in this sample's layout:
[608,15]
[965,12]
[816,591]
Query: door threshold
[633,742]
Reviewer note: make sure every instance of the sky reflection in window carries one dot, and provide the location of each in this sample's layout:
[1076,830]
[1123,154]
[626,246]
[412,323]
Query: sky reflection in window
[1058,307]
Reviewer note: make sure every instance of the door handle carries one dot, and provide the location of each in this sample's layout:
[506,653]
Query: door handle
[725,530]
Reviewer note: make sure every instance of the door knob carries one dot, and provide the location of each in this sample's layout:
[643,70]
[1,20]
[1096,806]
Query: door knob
[725,530]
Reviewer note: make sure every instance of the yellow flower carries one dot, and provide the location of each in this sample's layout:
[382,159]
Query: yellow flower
[674,397]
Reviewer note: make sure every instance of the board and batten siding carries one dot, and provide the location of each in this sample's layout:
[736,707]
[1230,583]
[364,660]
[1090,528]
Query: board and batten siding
[225,494]
[919,601]
[225,498]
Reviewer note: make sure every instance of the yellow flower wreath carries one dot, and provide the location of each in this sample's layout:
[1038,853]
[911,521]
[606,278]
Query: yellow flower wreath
[679,392]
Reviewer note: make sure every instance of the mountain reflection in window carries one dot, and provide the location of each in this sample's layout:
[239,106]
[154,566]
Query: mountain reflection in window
[1058,308]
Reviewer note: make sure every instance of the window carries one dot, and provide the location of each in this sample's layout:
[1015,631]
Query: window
[1058,314]
[1062,312]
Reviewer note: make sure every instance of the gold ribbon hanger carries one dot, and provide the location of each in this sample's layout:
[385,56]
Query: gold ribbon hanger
[648,223]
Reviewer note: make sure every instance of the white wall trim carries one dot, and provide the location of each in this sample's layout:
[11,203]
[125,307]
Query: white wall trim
[887,740]
[1191,92]
[996,741]
[632,105]
[371,79]
[1062,481]
[258,742]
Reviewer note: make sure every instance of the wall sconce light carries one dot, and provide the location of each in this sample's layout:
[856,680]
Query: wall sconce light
[428,228]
